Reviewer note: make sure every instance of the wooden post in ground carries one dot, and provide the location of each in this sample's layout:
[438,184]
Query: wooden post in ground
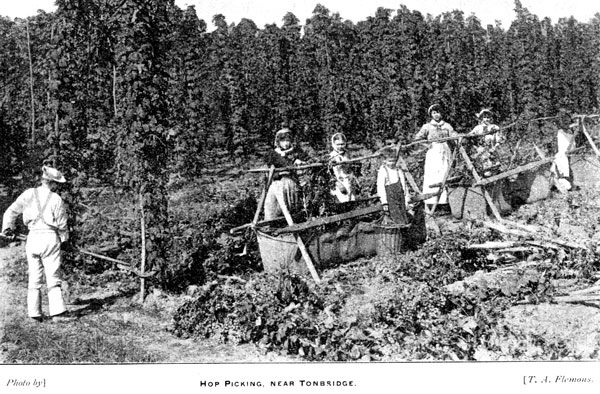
[143,257]
[299,241]
[31,85]
[486,194]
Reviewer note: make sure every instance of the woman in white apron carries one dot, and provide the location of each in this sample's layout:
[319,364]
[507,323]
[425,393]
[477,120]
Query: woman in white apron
[564,141]
[437,159]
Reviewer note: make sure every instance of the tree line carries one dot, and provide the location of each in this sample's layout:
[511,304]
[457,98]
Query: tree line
[129,91]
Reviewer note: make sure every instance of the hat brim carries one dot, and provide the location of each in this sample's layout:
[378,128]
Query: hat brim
[57,180]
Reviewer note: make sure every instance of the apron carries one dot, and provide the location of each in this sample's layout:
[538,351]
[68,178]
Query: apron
[396,203]
[437,161]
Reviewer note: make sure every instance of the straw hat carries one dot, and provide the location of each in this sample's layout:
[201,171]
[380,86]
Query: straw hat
[52,174]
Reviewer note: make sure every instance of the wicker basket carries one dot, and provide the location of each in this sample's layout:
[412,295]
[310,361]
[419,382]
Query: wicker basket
[394,239]
[390,241]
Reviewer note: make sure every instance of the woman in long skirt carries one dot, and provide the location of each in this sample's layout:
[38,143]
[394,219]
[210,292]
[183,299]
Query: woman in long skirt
[437,159]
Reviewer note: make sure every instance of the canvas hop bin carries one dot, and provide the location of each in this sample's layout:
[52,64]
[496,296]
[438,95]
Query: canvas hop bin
[328,247]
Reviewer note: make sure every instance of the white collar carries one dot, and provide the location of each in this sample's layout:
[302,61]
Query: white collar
[283,152]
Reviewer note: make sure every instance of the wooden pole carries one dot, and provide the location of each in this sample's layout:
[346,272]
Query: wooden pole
[114,90]
[588,136]
[514,171]
[31,84]
[143,257]
[486,194]
[328,220]
[299,241]
[516,151]
[315,165]
[411,181]
[263,196]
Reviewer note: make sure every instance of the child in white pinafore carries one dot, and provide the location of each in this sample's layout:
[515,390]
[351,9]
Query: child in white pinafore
[343,189]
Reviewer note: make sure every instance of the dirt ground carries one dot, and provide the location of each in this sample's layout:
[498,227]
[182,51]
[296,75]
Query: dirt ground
[574,326]
[97,308]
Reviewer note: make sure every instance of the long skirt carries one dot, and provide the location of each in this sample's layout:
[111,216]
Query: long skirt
[437,162]
[287,189]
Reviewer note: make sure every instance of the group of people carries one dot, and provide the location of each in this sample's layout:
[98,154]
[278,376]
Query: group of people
[391,180]
[44,212]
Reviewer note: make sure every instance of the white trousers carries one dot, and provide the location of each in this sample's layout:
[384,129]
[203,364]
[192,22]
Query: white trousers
[43,257]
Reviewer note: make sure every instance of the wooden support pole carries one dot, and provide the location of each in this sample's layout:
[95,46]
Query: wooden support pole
[588,136]
[121,264]
[515,152]
[114,90]
[290,168]
[299,241]
[486,194]
[514,171]
[238,229]
[315,165]
[31,85]
[143,254]
[263,196]
[449,180]
[411,181]
[328,220]
[446,139]
[539,151]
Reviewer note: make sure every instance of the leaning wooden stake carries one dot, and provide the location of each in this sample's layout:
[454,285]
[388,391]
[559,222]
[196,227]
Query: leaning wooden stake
[588,136]
[299,241]
[263,196]
[486,194]
[143,263]
[411,181]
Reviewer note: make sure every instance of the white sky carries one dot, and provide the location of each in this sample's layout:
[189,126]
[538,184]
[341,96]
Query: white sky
[272,11]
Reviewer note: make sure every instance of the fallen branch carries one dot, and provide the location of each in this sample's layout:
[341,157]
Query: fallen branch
[592,289]
[232,278]
[493,245]
[519,233]
[579,298]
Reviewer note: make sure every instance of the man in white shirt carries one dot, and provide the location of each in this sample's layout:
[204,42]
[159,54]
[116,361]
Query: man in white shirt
[45,216]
